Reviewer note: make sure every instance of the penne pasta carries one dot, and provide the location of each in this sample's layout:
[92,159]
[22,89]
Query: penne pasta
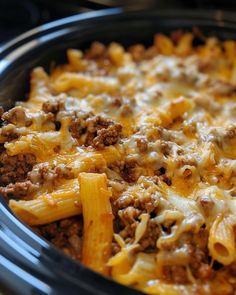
[222,240]
[170,112]
[85,84]
[98,226]
[47,208]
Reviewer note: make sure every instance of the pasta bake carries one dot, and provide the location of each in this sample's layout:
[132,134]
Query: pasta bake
[125,159]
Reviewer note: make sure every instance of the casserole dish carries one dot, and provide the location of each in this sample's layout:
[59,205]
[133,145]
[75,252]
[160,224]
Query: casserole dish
[27,260]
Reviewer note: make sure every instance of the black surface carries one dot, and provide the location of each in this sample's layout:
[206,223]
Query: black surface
[18,16]
[28,264]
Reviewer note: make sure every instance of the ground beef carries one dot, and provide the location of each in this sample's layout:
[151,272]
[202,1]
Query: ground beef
[17,116]
[127,210]
[199,256]
[129,214]
[66,235]
[146,203]
[148,241]
[15,168]
[128,232]
[125,104]
[43,172]
[176,274]
[124,201]
[9,132]
[107,136]
[79,124]
[142,144]
[199,263]
[18,190]
[53,106]
[99,131]
[128,171]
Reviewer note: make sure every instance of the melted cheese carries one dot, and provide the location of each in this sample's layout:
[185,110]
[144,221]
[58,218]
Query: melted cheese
[171,104]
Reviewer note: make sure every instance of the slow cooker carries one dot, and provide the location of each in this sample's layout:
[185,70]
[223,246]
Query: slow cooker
[28,263]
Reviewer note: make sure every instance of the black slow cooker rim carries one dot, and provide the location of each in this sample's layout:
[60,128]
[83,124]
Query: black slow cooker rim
[220,16]
[27,262]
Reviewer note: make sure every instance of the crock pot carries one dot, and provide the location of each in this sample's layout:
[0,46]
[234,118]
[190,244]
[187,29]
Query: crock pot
[28,263]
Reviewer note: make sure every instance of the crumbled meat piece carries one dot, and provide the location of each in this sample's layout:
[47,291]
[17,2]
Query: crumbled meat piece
[66,235]
[129,214]
[64,171]
[15,168]
[175,274]
[17,116]
[142,144]
[137,52]
[125,104]
[100,132]
[18,189]
[43,172]
[199,263]
[124,201]
[165,148]
[150,237]
[199,257]
[128,232]
[107,136]
[128,171]
[96,50]
[116,101]
[148,203]
[79,124]
[9,132]
[53,106]
[126,109]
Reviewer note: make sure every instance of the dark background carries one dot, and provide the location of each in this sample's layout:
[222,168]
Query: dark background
[17,16]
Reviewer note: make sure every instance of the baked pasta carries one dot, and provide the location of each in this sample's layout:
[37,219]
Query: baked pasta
[125,159]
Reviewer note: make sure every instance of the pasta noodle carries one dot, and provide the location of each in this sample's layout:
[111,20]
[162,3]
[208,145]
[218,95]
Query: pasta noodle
[222,240]
[97,217]
[48,208]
